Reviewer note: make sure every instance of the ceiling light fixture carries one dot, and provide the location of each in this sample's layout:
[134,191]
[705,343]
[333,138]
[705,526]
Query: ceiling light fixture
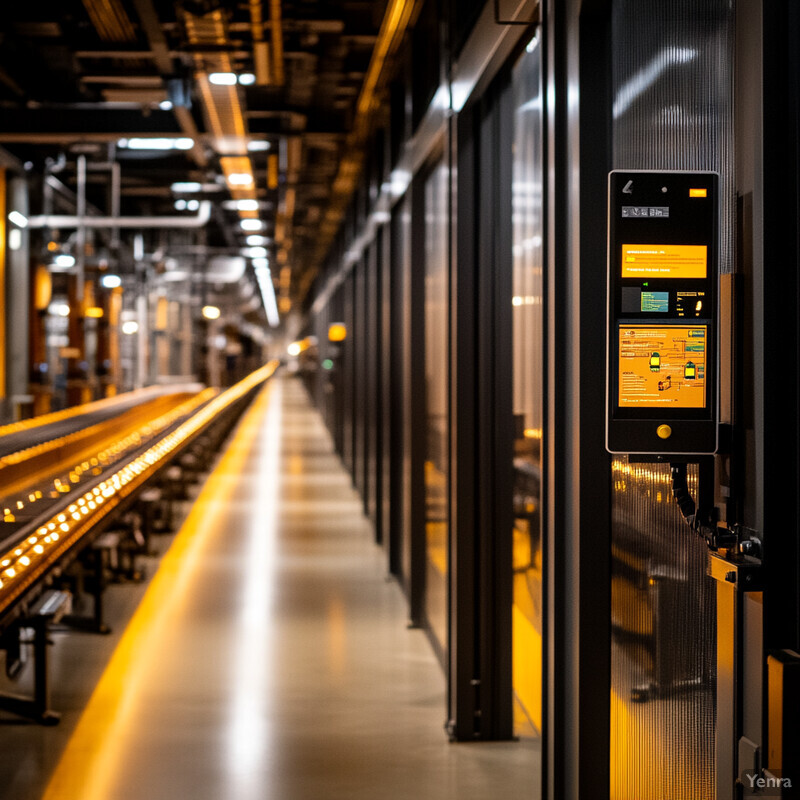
[222,78]
[186,186]
[240,179]
[20,220]
[156,143]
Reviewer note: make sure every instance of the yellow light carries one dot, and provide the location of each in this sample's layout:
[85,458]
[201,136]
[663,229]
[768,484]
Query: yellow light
[211,312]
[698,192]
[94,312]
[337,332]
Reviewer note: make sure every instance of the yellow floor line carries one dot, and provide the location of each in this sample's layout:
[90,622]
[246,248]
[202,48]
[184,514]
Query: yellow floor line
[89,762]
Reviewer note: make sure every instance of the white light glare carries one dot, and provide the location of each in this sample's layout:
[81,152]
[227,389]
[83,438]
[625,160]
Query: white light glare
[211,312]
[256,240]
[181,143]
[64,260]
[222,78]
[258,145]
[186,186]
[130,327]
[59,309]
[251,224]
[267,291]
[642,80]
[247,205]
[20,220]
[240,179]
[111,281]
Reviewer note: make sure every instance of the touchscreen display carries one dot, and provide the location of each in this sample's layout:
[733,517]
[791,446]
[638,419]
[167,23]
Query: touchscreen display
[662,365]
[664,260]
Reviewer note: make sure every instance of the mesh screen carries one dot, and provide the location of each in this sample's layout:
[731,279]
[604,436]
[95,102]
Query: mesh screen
[673,88]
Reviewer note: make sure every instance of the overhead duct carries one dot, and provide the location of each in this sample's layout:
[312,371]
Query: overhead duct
[66,221]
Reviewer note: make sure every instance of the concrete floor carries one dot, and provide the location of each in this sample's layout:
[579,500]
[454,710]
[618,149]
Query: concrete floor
[268,657]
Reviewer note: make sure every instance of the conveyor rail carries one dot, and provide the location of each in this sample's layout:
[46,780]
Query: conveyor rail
[52,538]
[31,477]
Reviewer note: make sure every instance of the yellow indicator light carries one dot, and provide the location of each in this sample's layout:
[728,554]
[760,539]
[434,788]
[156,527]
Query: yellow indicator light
[698,192]
[337,332]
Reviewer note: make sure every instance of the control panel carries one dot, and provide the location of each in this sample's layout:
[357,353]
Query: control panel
[661,387]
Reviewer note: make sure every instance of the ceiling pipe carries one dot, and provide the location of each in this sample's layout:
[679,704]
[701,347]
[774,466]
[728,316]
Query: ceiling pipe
[64,221]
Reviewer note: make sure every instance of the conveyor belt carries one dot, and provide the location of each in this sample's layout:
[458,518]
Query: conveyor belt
[28,433]
[76,515]
[35,478]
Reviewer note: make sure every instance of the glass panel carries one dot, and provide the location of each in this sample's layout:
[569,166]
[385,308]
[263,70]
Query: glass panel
[672,109]
[437,443]
[528,388]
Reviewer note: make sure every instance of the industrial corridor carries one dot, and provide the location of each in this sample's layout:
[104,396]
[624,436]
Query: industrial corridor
[270,656]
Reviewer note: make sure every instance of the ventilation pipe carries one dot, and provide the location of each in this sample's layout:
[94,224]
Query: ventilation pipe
[64,221]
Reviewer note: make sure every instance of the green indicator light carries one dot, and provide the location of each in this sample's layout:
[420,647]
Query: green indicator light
[327,364]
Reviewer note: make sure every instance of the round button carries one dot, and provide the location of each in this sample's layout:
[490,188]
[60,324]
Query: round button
[664,431]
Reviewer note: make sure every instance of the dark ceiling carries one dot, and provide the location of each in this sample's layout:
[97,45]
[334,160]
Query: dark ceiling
[81,78]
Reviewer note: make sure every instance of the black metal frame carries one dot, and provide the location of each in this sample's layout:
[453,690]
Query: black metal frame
[781,284]
[419,405]
[576,748]
[415,431]
[779,321]
[397,396]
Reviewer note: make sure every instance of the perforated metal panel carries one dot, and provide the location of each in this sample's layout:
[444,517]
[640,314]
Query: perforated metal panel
[672,109]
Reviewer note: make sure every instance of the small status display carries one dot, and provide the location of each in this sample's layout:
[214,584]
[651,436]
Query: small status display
[664,261]
[662,365]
